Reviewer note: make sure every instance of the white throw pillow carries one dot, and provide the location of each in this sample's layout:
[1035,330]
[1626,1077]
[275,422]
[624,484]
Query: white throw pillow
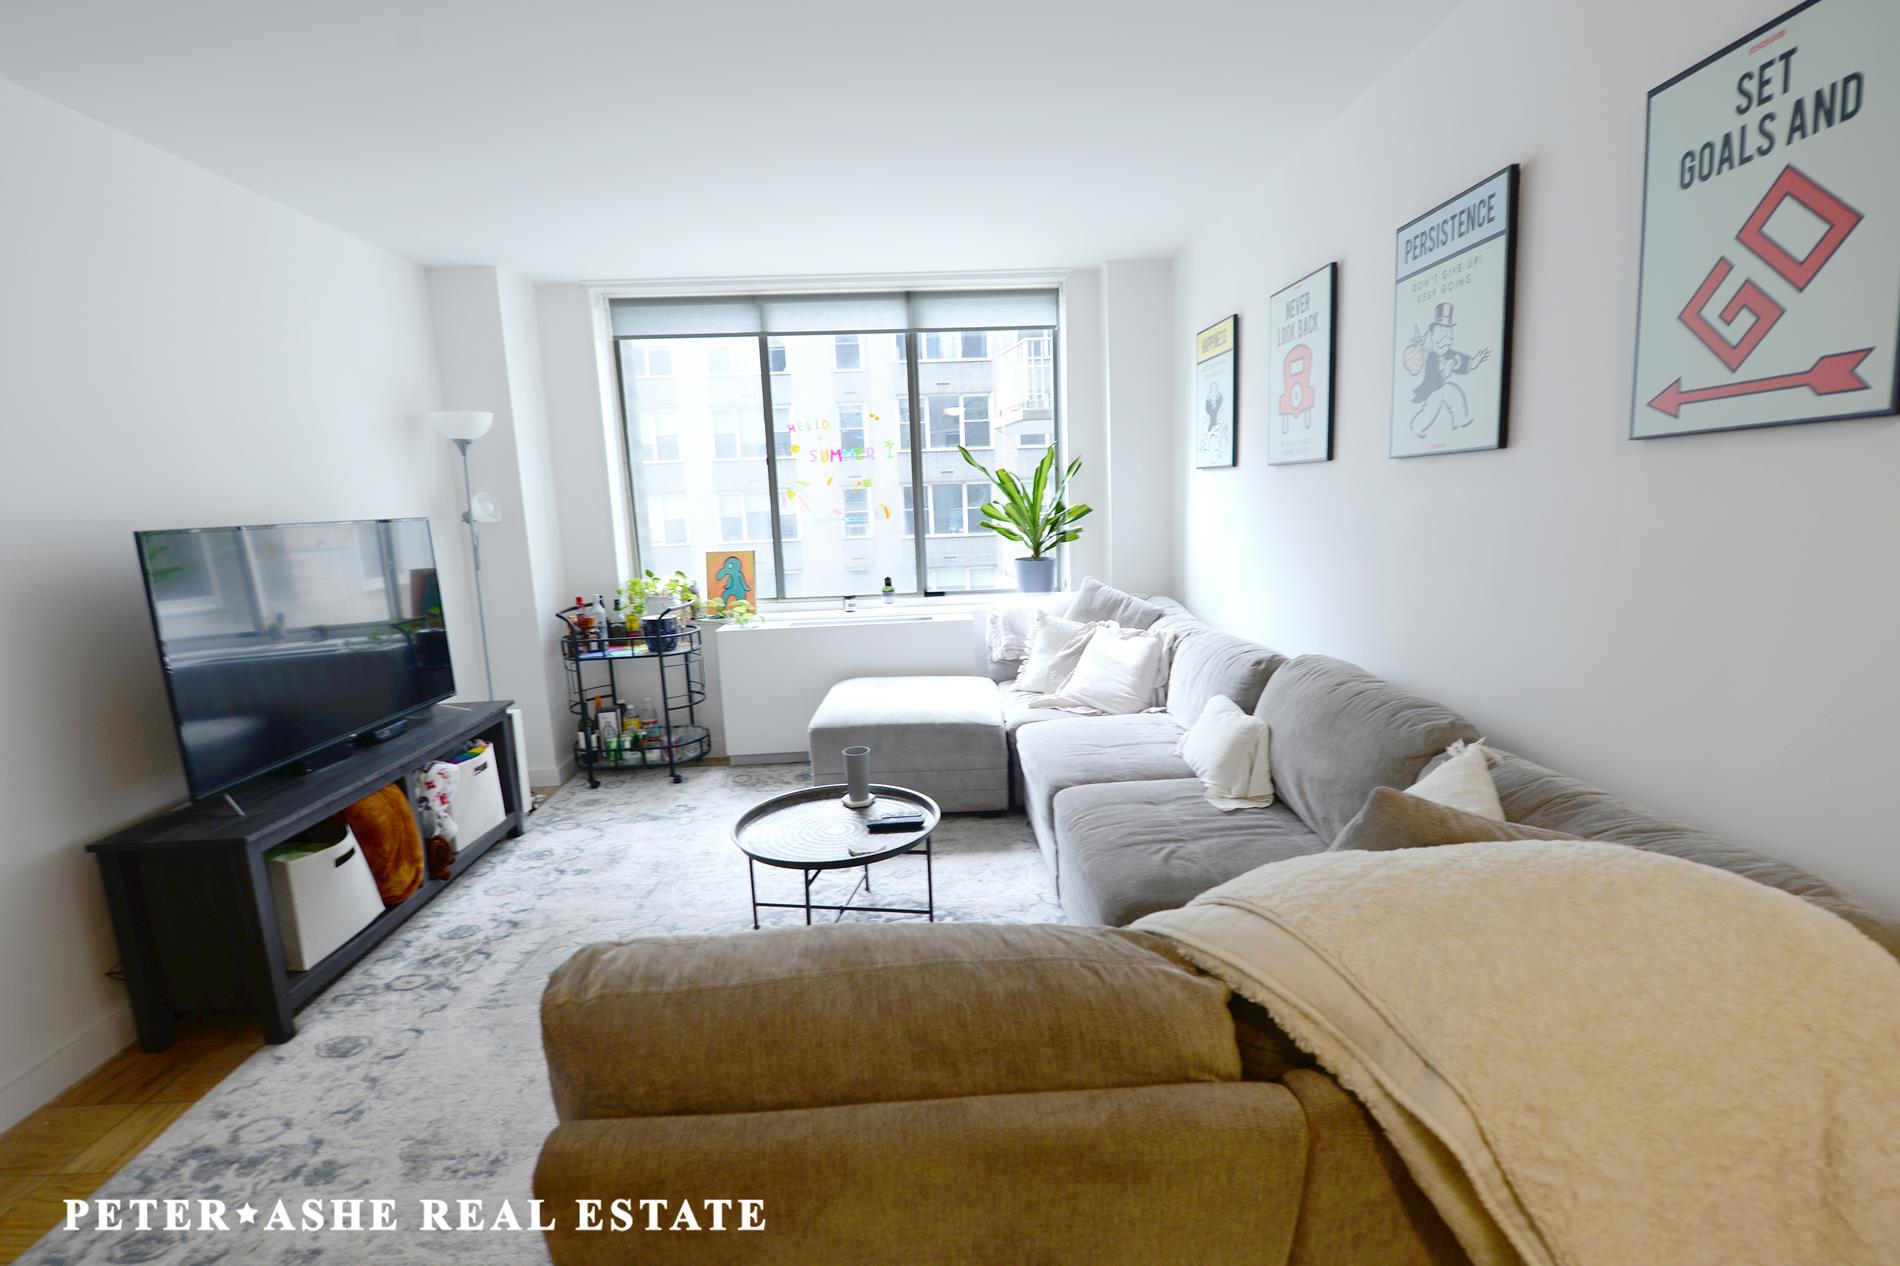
[1463,782]
[1227,750]
[1055,648]
[1116,674]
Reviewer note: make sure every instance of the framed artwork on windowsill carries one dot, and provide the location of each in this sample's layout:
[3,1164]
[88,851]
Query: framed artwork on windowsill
[1451,322]
[1217,394]
[1300,370]
[1770,275]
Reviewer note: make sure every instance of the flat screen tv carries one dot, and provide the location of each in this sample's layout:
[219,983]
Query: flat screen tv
[281,643]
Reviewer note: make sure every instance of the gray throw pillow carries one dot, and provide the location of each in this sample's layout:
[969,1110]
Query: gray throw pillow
[1097,601]
[1392,820]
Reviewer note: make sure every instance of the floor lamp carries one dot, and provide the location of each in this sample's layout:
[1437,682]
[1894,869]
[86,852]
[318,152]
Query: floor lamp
[462,428]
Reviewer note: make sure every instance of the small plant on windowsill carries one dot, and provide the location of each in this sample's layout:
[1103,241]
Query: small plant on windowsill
[1036,516]
[738,610]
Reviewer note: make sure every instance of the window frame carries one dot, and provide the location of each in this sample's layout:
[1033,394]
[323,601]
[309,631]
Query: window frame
[914,438]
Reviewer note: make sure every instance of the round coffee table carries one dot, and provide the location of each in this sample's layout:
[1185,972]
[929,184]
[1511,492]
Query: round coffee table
[810,830]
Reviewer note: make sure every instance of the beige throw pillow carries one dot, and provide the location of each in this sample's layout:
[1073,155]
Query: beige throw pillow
[1463,782]
[1116,675]
[1395,819]
[1055,648]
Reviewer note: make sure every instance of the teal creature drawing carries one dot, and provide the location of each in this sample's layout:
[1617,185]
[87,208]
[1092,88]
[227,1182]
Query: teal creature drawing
[732,582]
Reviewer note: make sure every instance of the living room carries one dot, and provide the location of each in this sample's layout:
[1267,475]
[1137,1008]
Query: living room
[1414,392]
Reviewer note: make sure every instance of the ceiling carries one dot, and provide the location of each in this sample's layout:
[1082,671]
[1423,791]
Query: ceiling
[595,139]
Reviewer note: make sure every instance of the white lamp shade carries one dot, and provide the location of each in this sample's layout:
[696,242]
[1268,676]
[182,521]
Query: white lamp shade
[460,424]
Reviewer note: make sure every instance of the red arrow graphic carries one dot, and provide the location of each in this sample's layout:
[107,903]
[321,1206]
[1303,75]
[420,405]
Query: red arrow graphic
[1830,375]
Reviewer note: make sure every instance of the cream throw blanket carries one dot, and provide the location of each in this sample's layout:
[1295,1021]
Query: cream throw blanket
[1586,1054]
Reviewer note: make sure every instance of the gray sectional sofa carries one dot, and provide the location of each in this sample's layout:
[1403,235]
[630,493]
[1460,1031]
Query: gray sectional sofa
[1126,831]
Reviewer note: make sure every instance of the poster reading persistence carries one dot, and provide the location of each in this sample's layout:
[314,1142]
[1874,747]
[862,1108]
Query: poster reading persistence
[1300,371]
[1451,357]
[1216,386]
[1770,288]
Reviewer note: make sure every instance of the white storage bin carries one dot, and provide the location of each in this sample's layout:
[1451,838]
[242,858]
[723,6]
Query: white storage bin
[325,895]
[477,805]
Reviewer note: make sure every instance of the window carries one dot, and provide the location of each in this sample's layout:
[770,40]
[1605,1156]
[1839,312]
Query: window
[744,516]
[649,362]
[851,429]
[955,345]
[725,434]
[803,446]
[668,525]
[958,420]
[956,509]
[660,436]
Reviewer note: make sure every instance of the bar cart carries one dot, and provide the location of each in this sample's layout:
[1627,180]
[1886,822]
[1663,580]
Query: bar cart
[594,657]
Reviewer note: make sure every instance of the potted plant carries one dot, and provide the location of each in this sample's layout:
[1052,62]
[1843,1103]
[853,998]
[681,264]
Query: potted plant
[1037,516]
[656,598]
[738,610]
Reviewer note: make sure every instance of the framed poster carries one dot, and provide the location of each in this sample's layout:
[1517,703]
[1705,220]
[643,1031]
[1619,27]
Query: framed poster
[1451,322]
[731,575]
[1770,279]
[1217,394]
[1300,370]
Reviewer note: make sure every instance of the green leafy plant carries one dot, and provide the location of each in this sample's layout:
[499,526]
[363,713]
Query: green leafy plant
[1036,515]
[738,610]
[676,589]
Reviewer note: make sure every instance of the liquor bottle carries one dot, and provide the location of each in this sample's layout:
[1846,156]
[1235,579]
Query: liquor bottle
[598,610]
[584,625]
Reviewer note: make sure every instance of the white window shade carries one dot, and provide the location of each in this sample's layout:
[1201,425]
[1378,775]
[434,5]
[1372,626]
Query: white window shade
[823,314]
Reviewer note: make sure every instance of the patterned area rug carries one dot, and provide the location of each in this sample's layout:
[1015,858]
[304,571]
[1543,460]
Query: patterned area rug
[419,1074]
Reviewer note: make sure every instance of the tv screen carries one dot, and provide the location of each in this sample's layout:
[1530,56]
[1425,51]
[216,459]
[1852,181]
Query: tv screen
[280,641]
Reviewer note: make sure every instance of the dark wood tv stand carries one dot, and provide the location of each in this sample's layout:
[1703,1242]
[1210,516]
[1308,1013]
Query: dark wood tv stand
[191,903]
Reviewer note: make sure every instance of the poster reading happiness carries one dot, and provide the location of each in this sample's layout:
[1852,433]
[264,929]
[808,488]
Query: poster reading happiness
[1452,322]
[1300,371]
[1770,289]
[1216,385]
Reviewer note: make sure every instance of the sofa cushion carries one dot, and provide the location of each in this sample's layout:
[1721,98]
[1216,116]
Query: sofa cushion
[1399,819]
[677,1025]
[1208,663]
[1097,601]
[1338,732]
[1541,797]
[1132,848]
[1078,751]
[942,736]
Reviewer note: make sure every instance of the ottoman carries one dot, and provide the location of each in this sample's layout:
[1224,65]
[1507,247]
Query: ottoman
[942,736]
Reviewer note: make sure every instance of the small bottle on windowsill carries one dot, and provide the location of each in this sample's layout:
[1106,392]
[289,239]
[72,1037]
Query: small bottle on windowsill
[890,592]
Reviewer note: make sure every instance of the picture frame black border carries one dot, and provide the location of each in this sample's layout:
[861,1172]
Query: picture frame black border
[1233,433]
[1515,184]
[1892,405]
[1331,269]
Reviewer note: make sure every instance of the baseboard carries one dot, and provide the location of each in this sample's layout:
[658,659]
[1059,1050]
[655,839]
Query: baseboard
[52,1076]
[770,758]
[566,769]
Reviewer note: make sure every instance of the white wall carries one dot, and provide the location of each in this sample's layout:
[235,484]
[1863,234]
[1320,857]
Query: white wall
[488,347]
[1138,314]
[174,351]
[1703,624]
[1082,397]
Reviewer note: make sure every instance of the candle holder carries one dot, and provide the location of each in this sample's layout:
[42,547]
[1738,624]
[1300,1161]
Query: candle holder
[857,778]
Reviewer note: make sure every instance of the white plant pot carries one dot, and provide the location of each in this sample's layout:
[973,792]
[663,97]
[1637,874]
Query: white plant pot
[1036,575]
